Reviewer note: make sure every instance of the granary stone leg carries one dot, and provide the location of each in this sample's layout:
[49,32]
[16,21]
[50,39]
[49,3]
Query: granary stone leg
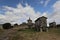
[46,29]
[41,29]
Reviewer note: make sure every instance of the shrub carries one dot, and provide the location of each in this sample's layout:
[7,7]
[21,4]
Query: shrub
[7,26]
[16,24]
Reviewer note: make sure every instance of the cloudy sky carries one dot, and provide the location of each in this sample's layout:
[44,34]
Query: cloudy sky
[18,11]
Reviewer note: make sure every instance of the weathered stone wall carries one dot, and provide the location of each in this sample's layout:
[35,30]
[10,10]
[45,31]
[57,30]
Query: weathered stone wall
[41,24]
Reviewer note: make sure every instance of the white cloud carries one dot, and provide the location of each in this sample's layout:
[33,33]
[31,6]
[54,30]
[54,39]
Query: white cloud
[56,13]
[55,16]
[19,14]
[41,1]
[46,2]
[57,6]
[45,14]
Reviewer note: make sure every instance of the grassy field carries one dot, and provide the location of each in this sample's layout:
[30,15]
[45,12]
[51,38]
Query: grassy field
[29,34]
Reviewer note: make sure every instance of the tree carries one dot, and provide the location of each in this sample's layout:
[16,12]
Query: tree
[7,26]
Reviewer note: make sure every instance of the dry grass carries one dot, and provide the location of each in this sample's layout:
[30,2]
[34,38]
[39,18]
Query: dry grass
[29,34]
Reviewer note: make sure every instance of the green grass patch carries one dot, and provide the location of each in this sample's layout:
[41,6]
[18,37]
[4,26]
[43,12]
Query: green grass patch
[55,31]
[27,30]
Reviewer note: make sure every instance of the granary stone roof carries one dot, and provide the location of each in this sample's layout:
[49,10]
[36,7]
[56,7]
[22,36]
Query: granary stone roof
[40,18]
[43,17]
[37,19]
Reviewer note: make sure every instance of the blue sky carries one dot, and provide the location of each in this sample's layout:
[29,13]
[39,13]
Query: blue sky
[38,5]
[18,11]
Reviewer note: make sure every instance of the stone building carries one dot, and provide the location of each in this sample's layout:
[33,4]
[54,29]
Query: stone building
[58,25]
[52,25]
[29,23]
[41,24]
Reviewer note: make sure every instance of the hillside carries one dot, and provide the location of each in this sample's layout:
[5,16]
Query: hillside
[29,34]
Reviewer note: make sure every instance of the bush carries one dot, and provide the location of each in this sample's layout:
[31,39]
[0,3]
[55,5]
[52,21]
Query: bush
[16,24]
[7,26]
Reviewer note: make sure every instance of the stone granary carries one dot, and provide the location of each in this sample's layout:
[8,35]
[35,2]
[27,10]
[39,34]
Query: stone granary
[41,24]
[29,23]
[52,25]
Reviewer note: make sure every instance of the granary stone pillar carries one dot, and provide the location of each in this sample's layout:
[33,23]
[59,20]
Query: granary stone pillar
[41,30]
[46,29]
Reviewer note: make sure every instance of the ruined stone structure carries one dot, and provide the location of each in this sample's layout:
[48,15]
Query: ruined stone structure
[52,25]
[29,23]
[41,24]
